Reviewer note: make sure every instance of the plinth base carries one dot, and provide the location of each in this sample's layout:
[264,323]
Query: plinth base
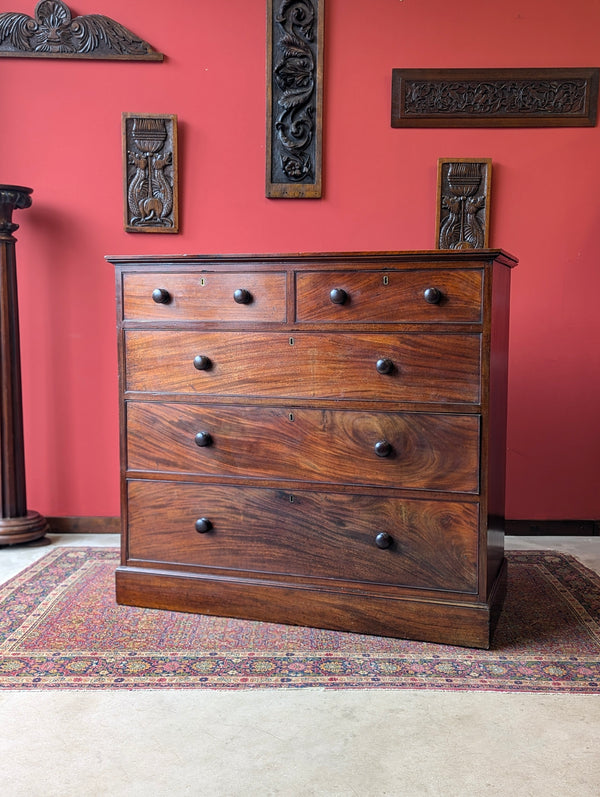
[31,526]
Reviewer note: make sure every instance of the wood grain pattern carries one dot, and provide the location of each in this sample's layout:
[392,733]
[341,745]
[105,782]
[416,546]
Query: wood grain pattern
[204,297]
[266,531]
[466,623]
[323,452]
[426,367]
[390,297]
[430,452]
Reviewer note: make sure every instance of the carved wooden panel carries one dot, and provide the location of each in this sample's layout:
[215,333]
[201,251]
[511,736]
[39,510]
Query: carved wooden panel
[494,97]
[150,173]
[294,98]
[463,203]
[53,32]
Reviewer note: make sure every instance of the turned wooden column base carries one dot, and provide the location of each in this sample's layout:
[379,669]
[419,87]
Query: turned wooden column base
[30,527]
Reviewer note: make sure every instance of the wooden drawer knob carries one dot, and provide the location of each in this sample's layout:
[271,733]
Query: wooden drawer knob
[384,540]
[242,296]
[203,439]
[202,363]
[433,295]
[338,296]
[161,296]
[203,525]
[384,366]
[383,448]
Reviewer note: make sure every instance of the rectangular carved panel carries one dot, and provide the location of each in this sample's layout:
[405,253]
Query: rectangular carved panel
[494,97]
[150,172]
[294,98]
[463,203]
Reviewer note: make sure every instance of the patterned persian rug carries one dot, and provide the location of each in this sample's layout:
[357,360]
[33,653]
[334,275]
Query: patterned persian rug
[60,628]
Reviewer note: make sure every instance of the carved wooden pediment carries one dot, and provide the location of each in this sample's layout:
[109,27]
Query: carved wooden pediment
[53,32]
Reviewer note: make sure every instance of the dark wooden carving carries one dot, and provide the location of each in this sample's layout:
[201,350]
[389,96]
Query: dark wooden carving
[150,167]
[294,98]
[463,203]
[52,32]
[16,523]
[494,97]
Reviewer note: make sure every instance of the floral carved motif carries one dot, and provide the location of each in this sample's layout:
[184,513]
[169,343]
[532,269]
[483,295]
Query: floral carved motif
[472,97]
[53,32]
[500,97]
[294,98]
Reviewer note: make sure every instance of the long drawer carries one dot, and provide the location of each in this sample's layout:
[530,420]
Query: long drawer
[409,450]
[422,368]
[432,544]
[421,295]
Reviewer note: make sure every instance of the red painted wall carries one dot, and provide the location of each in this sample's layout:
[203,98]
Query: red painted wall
[60,134]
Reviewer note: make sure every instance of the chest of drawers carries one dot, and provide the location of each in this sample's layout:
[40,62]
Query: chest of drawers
[316,439]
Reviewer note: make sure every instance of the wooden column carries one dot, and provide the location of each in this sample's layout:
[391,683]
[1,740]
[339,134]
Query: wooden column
[17,524]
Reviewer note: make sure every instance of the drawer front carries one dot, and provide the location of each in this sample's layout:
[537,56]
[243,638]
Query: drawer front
[390,296]
[409,450]
[432,544]
[205,297]
[421,368]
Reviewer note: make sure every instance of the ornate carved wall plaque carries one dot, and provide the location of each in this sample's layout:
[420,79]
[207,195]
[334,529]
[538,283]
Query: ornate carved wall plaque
[150,172]
[294,98]
[463,203]
[52,32]
[494,97]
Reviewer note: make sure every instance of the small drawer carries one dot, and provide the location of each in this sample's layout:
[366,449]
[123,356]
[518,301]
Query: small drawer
[426,368]
[304,534]
[395,297]
[204,297]
[418,451]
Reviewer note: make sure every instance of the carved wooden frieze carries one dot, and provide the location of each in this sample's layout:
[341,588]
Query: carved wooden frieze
[463,203]
[494,97]
[53,32]
[294,98]
[150,173]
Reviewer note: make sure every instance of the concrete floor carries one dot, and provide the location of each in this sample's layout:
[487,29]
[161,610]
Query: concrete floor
[298,743]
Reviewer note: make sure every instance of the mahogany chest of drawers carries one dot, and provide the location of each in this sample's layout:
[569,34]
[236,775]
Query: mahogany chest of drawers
[316,439]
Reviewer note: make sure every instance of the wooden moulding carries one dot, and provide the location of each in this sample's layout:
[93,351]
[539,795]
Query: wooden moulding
[444,622]
[85,524]
[150,178]
[294,98]
[494,97]
[463,203]
[53,32]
